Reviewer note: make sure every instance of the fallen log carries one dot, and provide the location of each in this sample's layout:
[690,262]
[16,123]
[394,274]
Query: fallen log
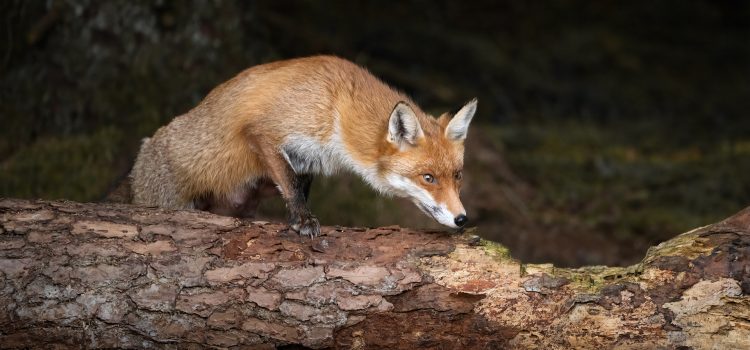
[117,276]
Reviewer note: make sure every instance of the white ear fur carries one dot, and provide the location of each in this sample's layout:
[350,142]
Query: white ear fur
[458,127]
[403,126]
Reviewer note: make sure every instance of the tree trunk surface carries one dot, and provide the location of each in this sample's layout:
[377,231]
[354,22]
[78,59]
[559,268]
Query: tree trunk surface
[117,276]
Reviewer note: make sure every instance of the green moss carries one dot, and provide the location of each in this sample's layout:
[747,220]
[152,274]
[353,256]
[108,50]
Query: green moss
[623,182]
[593,278]
[689,245]
[77,168]
[588,279]
[496,250]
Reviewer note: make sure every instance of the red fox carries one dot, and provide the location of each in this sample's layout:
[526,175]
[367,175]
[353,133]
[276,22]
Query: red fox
[284,122]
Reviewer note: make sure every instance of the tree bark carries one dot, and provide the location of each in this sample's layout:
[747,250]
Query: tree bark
[107,275]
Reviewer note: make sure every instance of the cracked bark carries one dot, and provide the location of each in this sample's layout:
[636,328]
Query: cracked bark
[102,275]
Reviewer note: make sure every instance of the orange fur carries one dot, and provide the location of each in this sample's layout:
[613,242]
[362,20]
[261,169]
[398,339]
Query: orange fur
[234,136]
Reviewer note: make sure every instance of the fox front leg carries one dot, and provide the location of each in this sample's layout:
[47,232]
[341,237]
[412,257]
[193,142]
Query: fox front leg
[302,219]
[294,189]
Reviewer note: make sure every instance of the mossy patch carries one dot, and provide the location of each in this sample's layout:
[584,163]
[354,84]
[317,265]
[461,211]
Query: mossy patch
[688,245]
[589,279]
[623,181]
[496,250]
[77,168]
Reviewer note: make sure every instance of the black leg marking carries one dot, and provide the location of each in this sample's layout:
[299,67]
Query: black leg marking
[306,187]
[302,219]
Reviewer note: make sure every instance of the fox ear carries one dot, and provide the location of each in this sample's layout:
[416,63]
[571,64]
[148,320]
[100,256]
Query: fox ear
[403,126]
[458,127]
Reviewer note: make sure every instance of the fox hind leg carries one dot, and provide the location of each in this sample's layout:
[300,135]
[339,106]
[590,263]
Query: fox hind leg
[153,181]
[263,188]
[240,203]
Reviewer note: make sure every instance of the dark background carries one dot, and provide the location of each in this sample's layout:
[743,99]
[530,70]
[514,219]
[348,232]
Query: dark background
[603,127]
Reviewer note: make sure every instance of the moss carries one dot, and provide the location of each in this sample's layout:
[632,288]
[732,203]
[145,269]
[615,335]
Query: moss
[590,278]
[688,245]
[622,183]
[77,168]
[593,278]
[496,250]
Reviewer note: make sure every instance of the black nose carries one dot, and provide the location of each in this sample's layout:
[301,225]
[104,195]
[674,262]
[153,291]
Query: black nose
[461,220]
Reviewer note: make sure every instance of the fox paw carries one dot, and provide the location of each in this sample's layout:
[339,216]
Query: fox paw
[307,225]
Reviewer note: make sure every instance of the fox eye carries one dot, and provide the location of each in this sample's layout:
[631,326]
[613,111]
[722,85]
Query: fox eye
[429,178]
[458,175]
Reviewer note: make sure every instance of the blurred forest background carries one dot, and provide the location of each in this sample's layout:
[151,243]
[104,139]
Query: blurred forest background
[603,127]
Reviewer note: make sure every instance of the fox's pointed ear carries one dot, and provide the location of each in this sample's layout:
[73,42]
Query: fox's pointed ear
[458,127]
[403,126]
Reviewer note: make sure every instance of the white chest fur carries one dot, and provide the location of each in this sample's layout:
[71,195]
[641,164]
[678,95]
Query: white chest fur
[306,155]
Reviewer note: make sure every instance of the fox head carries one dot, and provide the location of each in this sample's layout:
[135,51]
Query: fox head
[425,160]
